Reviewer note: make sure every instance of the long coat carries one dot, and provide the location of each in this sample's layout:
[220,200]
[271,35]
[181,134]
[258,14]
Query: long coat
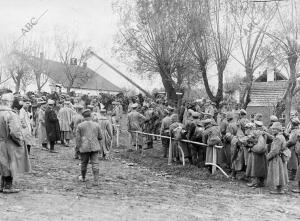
[64,116]
[42,134]
[26,127]
[211,137]
[225,154]
[13,154]
[52,125]
[176,131]
[107,134]
[277,172]
[88,136]
[135,121]
[291,144]
[257,162]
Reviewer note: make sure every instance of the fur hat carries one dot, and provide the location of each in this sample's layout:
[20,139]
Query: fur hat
[51,102]
[277,126]
[273,118]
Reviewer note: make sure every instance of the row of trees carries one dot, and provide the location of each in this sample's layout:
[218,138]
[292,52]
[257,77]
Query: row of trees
[187,41]
[28,62]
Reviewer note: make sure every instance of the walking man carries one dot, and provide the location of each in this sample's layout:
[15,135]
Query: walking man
[52,125]
[88,138]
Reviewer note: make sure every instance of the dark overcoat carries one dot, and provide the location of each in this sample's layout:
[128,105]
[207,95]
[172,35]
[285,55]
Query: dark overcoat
[52,125]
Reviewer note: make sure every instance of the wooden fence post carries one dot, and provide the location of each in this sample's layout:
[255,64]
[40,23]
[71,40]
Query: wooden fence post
[213,171]
[118,135]
[170,152]
[136,141]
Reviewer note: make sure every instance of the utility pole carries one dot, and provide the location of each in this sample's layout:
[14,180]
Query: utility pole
[120,73]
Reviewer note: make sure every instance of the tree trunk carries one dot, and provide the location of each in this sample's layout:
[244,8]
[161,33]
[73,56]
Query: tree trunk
[38,82]
[245,98]
[18,85]
[170,90]
[292,59]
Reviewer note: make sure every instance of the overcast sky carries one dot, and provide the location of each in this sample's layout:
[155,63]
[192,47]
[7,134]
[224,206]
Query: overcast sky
[92,21]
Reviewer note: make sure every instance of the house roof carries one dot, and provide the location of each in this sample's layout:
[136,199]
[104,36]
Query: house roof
[87,78]
[277,76]
[266,93]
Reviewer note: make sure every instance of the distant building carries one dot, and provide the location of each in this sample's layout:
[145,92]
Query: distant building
[266,90]
[86,81]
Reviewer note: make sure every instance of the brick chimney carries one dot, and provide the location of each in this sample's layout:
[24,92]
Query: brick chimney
[270,75]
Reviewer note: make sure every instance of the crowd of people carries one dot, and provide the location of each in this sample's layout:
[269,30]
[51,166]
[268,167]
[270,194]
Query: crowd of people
[261,154]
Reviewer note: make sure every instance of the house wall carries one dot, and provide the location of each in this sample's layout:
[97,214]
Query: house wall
[266,111]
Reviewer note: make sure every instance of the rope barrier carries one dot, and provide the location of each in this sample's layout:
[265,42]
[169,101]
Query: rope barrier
[213,164]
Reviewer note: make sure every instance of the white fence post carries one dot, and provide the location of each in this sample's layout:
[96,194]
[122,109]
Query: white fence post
[136,140]
[170,152]
[213,171]
[118,135]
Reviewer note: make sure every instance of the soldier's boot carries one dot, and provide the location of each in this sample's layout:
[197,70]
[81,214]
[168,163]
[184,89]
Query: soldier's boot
[252,183]
[260,182]
[149,145]
[8,181]
[2,184]
[297,190]
[83,174]
[96,177]
[278,190]
[292,174]
[233,174]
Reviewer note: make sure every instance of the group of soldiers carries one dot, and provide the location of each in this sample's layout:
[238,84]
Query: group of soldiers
[45,122]
[263,155]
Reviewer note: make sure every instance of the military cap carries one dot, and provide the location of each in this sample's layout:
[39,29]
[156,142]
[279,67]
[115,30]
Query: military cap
[243,112]
[86,113]
[258,123]
[273,118]
[277,126]
[51,102]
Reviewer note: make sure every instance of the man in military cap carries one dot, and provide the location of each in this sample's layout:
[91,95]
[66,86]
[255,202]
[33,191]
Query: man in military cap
[292,145]
[13,154]
[65,115]
[88,137]
[52,125]
[134,123]
[107,134]
[77,119]
[165,131]
[211,137]
[26,122]
[195,133]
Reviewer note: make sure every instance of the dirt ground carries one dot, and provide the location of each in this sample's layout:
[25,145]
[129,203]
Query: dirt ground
[135,187]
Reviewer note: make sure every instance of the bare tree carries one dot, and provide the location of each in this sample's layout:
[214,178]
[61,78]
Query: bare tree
[252,21]
[155,39]
[288,38]
[212,39]
[69,48]
[39,65]
[16,62]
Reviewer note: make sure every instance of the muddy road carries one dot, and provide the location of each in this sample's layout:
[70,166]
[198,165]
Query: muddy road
[135,187]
